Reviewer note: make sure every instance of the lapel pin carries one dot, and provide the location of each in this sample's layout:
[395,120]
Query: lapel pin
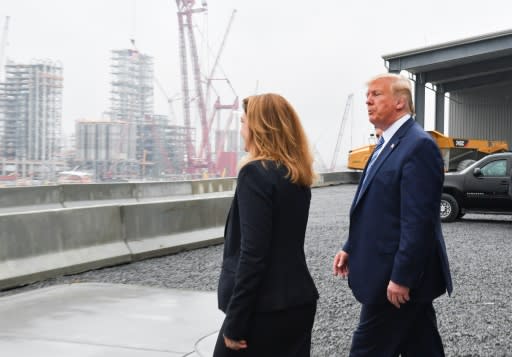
[392,146]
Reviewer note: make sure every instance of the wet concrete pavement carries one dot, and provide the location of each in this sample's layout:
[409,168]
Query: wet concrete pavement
[94,319]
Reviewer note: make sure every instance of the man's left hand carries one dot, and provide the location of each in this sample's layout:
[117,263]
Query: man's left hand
[397,294]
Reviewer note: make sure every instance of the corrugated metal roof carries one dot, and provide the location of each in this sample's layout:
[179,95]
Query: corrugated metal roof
[483,61]
[464,41]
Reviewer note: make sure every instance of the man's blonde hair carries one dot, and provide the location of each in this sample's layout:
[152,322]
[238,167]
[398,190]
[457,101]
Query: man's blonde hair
[400,86]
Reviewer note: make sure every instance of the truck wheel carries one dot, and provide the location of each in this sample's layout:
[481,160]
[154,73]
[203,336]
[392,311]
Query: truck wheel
[465,163]
[449,208]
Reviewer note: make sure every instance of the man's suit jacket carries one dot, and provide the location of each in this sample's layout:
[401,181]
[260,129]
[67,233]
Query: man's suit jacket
[264,266]
[395,228]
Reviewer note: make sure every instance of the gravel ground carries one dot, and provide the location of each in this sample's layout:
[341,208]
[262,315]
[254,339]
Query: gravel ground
[475,321]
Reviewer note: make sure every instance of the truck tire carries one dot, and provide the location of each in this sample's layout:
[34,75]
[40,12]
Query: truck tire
[465,163]
[449,208]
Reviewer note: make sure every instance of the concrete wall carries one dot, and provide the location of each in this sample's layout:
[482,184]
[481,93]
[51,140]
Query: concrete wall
[58,230]
[42,244]
[160,228]
[338,178]
[15,199]
[21,199]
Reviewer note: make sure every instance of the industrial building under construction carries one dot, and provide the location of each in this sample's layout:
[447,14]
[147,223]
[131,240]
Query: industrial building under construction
[30,125]
[130,142]
[133,143]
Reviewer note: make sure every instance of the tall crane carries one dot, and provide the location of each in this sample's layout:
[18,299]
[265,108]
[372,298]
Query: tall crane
[217,58]
[170,100]
[203,157]
[337,149]
[217,105]
[186,8]
[3,47]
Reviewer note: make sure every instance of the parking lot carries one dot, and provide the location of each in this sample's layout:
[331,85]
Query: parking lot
[475,321]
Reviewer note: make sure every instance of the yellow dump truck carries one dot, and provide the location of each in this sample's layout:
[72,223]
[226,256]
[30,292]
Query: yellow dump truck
[457,153]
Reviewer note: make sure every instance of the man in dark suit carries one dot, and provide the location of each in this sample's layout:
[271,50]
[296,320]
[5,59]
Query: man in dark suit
[395,251]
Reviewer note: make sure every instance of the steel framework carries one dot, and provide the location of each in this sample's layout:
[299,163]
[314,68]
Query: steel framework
[202,158]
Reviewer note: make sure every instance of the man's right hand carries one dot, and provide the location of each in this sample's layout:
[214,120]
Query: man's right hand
[340,265]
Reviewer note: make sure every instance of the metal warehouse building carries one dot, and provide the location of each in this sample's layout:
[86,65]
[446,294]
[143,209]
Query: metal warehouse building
[473,75]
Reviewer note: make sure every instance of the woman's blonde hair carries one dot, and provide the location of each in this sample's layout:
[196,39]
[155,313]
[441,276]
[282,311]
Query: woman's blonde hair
[276,133]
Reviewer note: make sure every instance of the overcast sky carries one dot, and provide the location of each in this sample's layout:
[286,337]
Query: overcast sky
[315,53]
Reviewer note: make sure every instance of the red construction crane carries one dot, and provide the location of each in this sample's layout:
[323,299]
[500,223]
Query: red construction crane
[201,159]
[186,8]
[217,105]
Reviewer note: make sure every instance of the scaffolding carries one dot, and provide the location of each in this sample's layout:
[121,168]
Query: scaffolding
[166,146]
[31,114]
[102,149]
[154,148]
[131,94]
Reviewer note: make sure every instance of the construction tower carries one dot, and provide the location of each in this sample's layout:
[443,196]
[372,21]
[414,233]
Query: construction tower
[132,95]
[31,104]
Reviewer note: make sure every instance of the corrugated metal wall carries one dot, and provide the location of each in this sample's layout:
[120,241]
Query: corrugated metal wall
[482,113]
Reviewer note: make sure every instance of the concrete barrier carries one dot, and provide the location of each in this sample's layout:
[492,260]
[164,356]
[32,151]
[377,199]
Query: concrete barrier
[157,190]
[133,222]
[19,199]
[338,178]
[215,185]
[160,228]
[80,195]
[40,245]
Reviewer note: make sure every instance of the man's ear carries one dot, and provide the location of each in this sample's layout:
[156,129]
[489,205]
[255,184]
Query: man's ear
[400,103]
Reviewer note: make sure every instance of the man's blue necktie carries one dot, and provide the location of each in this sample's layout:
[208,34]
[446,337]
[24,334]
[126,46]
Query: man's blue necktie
[374,157]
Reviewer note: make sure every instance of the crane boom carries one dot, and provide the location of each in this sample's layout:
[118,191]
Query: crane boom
[205,139]
[202,158]
[211,78]
[337,149]
[184,85]
[219,53]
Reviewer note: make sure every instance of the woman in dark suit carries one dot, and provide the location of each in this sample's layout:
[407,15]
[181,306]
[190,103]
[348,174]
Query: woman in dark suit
[265,288]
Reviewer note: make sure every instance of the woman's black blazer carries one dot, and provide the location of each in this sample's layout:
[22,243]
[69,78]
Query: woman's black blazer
[264,266]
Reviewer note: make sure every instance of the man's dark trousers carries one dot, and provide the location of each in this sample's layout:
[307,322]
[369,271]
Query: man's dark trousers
[385,331]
